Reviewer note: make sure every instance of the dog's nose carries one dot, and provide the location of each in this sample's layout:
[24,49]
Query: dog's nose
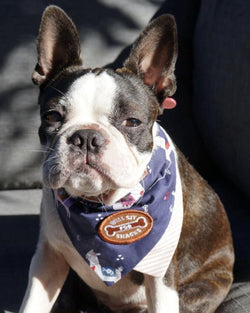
[87,139]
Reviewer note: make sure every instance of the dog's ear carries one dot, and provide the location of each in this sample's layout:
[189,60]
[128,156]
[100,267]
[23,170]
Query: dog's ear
[154,54]
[58,45]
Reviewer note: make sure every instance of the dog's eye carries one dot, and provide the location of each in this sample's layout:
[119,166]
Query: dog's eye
[132,122]
[53,117]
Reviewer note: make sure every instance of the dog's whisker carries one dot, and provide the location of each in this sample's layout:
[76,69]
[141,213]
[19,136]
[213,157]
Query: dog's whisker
[36,150]
[52,171]
[50,150]
[50,159]
[59,91]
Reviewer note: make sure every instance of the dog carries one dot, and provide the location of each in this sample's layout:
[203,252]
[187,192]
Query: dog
[121,205]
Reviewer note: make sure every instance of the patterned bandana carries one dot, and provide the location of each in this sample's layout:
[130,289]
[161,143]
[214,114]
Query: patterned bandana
[133,227]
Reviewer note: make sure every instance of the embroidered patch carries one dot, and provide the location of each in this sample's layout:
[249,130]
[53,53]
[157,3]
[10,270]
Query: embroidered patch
[125,227]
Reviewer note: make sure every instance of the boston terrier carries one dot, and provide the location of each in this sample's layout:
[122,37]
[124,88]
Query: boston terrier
[121,205]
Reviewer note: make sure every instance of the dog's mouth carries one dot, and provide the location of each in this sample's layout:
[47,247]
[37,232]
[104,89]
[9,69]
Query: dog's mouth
[93,184]
[97,173]
[90,179]
[77,174]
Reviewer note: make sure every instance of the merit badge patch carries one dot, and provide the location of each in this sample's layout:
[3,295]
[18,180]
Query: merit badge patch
[125,227]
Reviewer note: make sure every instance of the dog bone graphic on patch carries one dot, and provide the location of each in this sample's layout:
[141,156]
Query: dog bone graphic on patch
[112,230]
[125,227]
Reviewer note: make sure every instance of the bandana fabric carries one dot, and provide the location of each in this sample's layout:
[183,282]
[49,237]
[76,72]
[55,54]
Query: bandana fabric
[155,194]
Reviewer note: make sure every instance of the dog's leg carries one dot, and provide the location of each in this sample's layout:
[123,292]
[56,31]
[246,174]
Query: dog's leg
[47,274]
[160,298]
[205,293]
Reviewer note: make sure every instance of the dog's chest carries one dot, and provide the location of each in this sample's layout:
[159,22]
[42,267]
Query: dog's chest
[129,289]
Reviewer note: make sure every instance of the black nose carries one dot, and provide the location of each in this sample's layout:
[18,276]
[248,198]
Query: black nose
[87,140]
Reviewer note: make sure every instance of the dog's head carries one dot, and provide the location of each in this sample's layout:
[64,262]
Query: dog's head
[97,124]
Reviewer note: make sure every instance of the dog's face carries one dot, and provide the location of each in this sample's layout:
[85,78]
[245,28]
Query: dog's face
[98,132]
[97,125]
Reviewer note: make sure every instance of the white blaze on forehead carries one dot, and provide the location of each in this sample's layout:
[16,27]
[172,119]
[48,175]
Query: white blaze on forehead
[91,98]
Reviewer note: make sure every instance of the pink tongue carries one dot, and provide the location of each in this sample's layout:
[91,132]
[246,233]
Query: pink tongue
[168,103]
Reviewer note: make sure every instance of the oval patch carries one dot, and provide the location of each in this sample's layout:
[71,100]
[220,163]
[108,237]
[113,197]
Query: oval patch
[125,227]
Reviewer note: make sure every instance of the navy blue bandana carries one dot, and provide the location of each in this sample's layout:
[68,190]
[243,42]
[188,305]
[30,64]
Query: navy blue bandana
[154,195]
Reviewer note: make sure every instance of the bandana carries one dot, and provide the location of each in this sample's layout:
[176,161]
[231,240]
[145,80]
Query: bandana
[107,236]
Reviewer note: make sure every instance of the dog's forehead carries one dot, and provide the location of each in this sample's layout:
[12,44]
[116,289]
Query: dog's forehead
[99,96]
[91,94]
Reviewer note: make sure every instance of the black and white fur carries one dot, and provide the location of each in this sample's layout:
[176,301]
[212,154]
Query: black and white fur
[96,129]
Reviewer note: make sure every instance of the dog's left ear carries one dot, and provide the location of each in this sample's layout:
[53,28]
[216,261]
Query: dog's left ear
[58,45]
[154,54]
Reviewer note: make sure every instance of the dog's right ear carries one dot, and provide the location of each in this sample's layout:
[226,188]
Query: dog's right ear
[58,45]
